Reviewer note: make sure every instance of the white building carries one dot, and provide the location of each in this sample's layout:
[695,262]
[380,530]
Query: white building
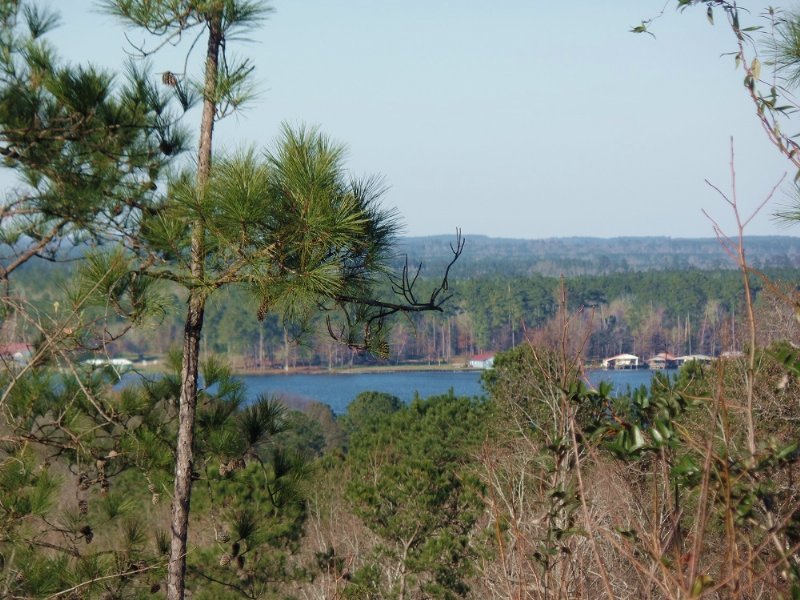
[121,364]
[700,358]
[621,361]
[482,361]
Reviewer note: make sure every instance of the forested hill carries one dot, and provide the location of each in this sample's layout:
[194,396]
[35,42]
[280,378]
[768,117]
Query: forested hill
[593,256]
[647,293]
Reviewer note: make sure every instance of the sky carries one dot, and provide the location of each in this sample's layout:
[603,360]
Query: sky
[517,119]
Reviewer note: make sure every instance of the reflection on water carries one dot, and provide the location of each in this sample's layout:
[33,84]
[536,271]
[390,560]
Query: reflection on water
[339,390]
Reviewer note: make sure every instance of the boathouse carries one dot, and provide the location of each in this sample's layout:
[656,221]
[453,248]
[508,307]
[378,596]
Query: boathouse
[122,364]
[621,361]
[699,358]
[663,360]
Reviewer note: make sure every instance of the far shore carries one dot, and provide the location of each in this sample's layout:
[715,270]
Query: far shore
[157,366]
[354,370]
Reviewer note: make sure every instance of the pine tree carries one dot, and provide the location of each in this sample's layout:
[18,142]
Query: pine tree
[291,226]
[88,152]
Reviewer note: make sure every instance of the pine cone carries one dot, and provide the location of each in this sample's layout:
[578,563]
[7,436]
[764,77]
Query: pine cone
[168,78]
[87,533]
[224,560]
[83,507]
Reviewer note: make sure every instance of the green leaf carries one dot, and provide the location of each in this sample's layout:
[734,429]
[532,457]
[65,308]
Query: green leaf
[663,429]
[637,439]
[786,451]
[659,439]
[641,28]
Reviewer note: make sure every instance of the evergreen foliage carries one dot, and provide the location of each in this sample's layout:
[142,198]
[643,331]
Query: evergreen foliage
[413,485]
[89,147]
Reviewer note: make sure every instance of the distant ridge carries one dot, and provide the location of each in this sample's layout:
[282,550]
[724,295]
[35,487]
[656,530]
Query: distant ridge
[486,256]
[573,256]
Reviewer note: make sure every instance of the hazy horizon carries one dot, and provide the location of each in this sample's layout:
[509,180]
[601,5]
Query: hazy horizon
[594,237]
[520,120]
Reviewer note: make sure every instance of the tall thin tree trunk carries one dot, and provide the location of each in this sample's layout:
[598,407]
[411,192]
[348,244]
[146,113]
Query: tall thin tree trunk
[689,332]
[176,575]
[433,341]
[702,341]
[449,339]
[261,346]
[285,349]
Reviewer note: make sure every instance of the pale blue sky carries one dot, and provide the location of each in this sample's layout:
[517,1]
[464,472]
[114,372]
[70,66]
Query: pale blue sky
[524,119]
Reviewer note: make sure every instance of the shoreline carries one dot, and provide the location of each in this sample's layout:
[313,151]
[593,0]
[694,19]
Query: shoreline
[356,370]
[156,366]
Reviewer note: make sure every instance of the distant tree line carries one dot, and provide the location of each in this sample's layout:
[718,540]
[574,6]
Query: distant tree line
[681,312]
[582,256]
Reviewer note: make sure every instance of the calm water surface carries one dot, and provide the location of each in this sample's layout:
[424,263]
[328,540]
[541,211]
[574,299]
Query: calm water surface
[340,389]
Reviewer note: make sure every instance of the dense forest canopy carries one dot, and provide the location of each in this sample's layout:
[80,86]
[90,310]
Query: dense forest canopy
[688,307]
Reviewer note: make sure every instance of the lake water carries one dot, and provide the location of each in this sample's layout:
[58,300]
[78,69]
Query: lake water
[338,390]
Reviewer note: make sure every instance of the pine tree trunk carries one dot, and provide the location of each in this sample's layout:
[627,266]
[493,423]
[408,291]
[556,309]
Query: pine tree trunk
[176,584]
[176,576]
